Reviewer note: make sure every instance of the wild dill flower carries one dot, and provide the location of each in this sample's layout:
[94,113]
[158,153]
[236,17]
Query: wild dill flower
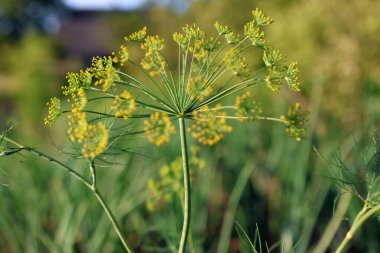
[136,36]
[296,122]
[124,105]
[95,140]
[82,79]
[77,122]
[168,183]
[181,39]
[222,29]
[207,67]
[122,56]
[153,60]
[272,58]
[209,125]
[79,100]
[236,64]
[104,72]
[92,138]
[247,108]
[197,88]
[159,128]
[260,18]
[54,111]
[255,34]
[292,77]
[194,31]
[274,79]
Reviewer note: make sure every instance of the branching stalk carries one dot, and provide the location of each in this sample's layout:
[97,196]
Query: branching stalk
[363,215]
[91,186]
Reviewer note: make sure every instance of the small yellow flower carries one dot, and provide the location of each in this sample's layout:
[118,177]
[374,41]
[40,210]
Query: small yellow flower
[104,72]
[274,79]
[159,128]
[222,29]
[272,58]
[54,111]
[197,88]
[95,141]
[181,39]
[260,18]
[77,123]
[124,105]
[153,60]
[76,81]
[79,100]
[194,31]
[292,77]
[247,108]
[91,138]
[209,125]
[236,64]
[136,36]
[255,34]
[122,56]
[296,122]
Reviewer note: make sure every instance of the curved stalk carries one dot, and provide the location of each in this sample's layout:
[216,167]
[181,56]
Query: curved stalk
[91,186]
[115,224]
[186,186]
[363,215]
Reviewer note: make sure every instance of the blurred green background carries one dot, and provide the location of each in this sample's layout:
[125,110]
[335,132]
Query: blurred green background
[254,176]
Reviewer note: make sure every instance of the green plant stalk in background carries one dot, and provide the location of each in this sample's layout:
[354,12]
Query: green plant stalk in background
[186,187]
[91,186]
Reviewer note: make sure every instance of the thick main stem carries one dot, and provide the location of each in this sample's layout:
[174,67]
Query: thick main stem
[186,186]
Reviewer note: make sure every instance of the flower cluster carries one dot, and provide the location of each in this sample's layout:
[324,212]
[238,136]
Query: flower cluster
[236,64]
[247,108]
[296,122]
[124,105]
[54,111]
[210,125]
[153,61]
[104,72]
[207,71]
[159,128]
[168,184]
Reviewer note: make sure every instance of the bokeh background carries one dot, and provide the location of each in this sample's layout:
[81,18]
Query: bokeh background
[255,176]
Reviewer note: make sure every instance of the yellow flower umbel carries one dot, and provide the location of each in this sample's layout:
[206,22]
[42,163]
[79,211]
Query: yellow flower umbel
[210,71]
[104,72]
[122,56]
[236,64]
[247,108]
[296,122]
[124,105]
[209,125]
[95,140]
[169,181]
[159,128]
[153,61]
[54,111]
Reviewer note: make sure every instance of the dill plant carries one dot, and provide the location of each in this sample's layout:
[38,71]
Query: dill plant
[193,95]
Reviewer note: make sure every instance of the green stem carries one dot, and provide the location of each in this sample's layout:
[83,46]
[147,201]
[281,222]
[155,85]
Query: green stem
[115,224]
[79,177]
[364,215]
[186,186]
